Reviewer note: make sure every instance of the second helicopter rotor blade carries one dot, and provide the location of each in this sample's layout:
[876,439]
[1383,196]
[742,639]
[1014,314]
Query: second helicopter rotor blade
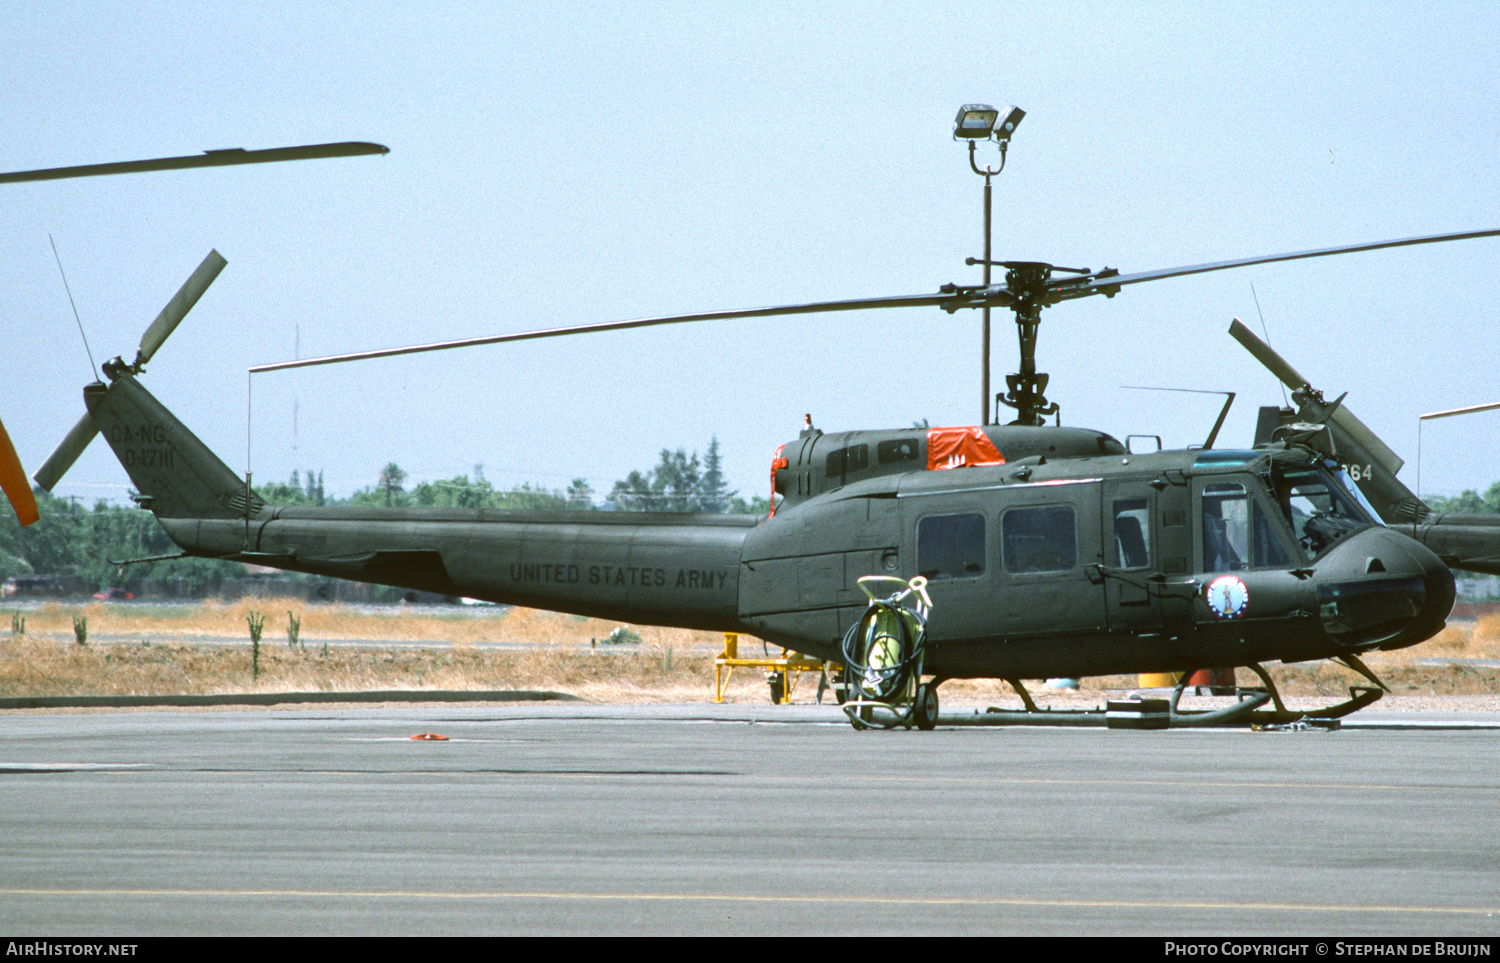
[817,307]
[1293,379]
[1263,353]
[67,453]
[182,302]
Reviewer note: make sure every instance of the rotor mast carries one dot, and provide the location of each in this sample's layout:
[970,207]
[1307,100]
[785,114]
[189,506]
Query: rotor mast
[1025,389]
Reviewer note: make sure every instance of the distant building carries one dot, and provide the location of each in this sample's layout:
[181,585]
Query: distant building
[45,586]
[1478,588]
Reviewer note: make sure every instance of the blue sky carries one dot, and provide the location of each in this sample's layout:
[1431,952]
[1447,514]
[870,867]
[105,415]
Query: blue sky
[565,163]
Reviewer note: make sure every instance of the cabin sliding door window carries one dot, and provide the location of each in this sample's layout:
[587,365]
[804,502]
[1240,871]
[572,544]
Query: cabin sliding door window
[951,546]
[1043,539]
[1132,531]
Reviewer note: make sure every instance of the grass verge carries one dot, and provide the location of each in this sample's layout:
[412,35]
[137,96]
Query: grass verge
[146,650]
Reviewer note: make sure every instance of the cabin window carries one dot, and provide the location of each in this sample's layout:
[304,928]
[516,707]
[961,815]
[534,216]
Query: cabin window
[902,449]
[853,458]
[1132,534]
[1039,539]
[951,546]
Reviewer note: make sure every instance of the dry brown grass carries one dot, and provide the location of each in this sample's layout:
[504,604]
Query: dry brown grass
[145,650]
[42,667]
[220,621]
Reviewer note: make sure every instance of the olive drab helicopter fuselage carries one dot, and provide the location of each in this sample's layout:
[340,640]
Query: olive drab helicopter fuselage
[1066,555]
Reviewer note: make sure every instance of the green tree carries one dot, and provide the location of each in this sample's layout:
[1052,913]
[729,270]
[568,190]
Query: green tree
[525,497]
[70,540]
[291,493]
[1469,502]
[681,483]
[391,478]
[757,505]
[315,489]
[674,485]
[455,492]
[580,494]
[713,493]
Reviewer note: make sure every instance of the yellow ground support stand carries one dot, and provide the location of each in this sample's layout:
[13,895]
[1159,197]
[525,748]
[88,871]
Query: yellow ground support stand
[790,664]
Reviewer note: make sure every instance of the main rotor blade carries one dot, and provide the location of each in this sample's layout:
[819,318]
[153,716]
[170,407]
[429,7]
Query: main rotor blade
[13,481]
[209,158]
[1100,285]
[1290,377]
[182,302]
[67,453]
[817,307]
[996,295]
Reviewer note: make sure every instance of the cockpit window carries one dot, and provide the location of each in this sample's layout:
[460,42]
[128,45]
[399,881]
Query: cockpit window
[1319,510]
[1341,475]
[1237,534]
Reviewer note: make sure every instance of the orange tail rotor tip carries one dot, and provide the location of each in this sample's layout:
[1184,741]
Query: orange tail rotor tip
[14,481]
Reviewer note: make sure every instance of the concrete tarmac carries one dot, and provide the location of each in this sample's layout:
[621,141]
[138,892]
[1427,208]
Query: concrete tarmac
[738,820]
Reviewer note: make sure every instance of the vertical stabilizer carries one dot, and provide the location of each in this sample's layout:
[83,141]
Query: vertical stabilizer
[176,474]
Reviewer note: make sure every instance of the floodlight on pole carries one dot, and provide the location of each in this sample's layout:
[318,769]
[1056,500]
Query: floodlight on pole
[976,122]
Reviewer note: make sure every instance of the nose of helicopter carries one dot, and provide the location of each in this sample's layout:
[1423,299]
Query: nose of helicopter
[1380,589]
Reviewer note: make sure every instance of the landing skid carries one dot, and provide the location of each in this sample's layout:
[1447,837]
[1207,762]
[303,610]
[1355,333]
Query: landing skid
[1247,711]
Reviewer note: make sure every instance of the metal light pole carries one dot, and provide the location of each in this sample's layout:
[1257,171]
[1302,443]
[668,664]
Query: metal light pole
[983,122]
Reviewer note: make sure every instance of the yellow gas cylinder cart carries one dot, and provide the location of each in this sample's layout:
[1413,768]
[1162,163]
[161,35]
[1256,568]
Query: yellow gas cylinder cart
[883,657]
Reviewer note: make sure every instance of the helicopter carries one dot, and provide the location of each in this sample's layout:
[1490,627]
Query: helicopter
[1031,550]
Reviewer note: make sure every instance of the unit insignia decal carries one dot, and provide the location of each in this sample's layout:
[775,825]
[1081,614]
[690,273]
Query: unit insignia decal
[1227,597]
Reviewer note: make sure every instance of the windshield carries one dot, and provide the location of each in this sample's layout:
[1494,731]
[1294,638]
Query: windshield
[1319,509]
[1346,482]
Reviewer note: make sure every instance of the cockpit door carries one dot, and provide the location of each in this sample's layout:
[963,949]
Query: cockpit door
[1239,529]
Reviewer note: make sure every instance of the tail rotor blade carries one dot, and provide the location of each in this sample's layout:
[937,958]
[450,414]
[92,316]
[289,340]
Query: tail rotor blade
[67,453]
[13,480]
[182,302]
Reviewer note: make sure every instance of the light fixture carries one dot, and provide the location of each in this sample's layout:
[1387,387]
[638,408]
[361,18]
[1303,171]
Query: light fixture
[975,122]
[1007,123]
[982,122]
